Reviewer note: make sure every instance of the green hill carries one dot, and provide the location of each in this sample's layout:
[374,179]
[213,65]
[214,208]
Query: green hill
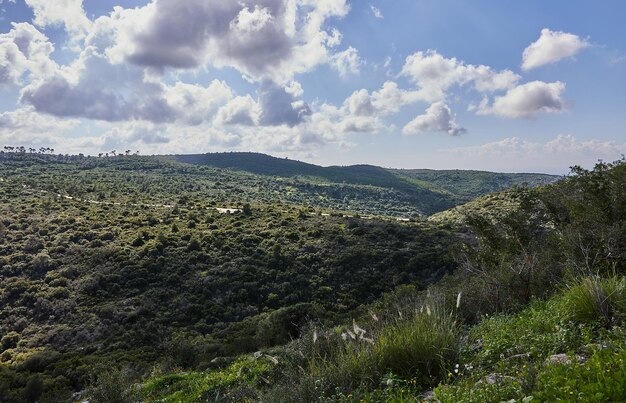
[127,279]
[427,190]
[128,259]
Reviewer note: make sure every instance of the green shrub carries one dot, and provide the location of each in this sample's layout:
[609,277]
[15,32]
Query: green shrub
[111,385]
[602,378]
[479,391]
[423,346]
[595,299]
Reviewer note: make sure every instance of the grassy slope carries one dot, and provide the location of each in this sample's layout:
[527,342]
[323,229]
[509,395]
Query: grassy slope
[493,205]
[547,352]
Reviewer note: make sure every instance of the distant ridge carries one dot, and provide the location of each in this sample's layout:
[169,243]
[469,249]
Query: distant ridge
[456,185]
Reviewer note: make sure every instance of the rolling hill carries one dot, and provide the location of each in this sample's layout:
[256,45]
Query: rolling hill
[430,191]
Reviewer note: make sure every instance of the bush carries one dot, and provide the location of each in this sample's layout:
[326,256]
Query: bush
[423,346]
[600,379]
[597,300]
[111,385]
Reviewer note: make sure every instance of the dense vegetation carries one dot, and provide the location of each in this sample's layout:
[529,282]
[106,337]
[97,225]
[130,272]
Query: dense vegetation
[430,191]
[139,266]
[537,315]
[120,275]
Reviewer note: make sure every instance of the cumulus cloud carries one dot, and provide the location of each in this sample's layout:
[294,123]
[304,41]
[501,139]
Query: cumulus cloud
[555,155]
[24,49]
[69,13]
[437,118]
[434,74]
[240,111]
[389,99]
[263,39]
[194,104]
[26,127]
[347,62]
[93,88]
[279,107]
[527,100]
[551,47]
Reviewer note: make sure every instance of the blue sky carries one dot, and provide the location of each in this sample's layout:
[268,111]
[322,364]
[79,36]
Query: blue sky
[487,84]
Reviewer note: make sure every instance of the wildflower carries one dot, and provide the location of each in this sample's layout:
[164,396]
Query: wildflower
[344,336]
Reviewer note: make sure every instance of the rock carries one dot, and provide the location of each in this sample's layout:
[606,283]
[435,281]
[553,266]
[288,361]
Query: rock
[428,396]
[559,359]
[495,379]
[564,359]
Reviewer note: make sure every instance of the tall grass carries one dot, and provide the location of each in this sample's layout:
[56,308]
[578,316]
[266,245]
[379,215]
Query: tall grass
[597,299]
[422,346]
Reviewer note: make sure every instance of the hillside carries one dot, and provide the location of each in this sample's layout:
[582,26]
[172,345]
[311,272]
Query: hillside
[128,271]
[530,319]
[128,259]
[430,191]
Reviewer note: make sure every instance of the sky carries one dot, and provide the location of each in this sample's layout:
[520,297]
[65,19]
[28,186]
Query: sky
[511,86]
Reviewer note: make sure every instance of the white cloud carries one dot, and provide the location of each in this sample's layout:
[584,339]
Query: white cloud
[527,100]
[263,39]
[376,12]
[194,104]
[92,88]
[551,47]
[252,21]
[437,118]
[435,74]
[69,13]
[347,62]
[388,100]
[279,107]
[24,49]
[240,111]
[554,156]
[26,127]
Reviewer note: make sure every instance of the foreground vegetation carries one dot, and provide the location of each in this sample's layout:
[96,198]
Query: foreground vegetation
[538,315]
[552,350]
[94,270]
[121,281]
